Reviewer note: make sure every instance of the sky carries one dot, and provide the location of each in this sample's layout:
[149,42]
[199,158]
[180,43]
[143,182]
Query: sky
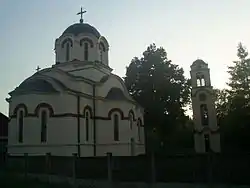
[187,29]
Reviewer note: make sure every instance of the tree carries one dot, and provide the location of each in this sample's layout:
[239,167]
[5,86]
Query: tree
[221,104]
[237,130]
[161,88]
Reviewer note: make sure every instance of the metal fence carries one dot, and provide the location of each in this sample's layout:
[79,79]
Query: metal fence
[196,168]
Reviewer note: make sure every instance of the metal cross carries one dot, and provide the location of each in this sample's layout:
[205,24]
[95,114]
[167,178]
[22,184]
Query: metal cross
[38,68]
[81,13]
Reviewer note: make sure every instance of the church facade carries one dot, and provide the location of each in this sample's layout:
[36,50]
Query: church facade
[76,106]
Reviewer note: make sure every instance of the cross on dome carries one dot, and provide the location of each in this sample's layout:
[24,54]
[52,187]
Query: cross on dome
[81,13]
[38,69]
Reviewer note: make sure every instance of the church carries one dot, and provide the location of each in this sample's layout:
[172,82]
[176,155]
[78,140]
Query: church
[76,106]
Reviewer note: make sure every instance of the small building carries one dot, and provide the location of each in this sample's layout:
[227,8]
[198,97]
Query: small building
[77,105]
[3,135]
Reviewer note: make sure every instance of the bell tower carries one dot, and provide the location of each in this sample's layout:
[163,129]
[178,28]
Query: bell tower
[206,131]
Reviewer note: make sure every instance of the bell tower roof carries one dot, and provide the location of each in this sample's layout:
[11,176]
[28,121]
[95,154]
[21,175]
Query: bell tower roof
[198,64]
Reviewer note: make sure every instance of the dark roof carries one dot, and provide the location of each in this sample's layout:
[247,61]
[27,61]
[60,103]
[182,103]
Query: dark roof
[79,28]
[36,85]
[115,94]
[198,62]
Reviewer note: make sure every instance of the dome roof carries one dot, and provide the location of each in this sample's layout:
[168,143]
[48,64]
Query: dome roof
[198,63]
[79,28]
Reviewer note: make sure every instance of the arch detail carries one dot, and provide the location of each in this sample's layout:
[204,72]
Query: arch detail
[67,40]
[87,108]
[87,40]
[21,106]
[113,110]
[44,105]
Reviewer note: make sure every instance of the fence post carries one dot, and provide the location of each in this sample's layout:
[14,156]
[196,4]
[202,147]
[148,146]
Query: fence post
[74,167]
[132,146]
[25,165]
[109,163]
[6,165]
[48,165]
[152,167]
[210,167]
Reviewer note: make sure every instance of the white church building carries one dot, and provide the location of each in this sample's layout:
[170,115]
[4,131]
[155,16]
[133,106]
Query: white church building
[77,105]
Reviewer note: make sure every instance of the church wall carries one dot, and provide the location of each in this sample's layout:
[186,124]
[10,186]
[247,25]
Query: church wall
[211,111]
[199,143]
[105,129]
[215,142]
[61,128]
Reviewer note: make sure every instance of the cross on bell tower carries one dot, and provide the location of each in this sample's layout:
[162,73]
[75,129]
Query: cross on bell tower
[81,13]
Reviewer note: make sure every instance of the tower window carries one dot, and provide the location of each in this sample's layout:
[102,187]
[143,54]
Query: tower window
[86,51]
[44,121]
[204,115]
[200,80]
[207,142]
[20,125]
[116,127]
[67,51]
[87,125]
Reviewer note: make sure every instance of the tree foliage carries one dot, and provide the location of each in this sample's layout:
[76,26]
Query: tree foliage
[160,87]
[233,105]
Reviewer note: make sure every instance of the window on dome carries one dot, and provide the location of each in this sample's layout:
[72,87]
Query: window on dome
[86,51]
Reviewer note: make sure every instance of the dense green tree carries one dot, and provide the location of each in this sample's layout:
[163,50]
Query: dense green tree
[233,105]
[161,88]
[221,104]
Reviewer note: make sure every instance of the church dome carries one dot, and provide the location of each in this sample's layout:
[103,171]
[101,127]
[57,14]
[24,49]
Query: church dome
[79,28]
[199,63]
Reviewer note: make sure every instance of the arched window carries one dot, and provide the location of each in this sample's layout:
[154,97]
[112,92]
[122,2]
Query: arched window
[101,58]
[131,121]
[87,125]
[204,114]
[67,51]
[116,127]
[102,49]
[20,126]
[200,79]
[44,122]
[139,129]
[86,51]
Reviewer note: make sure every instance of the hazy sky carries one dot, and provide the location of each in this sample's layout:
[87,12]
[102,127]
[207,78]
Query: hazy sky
[187,29]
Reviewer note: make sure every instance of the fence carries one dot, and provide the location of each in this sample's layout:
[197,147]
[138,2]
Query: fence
[202,168]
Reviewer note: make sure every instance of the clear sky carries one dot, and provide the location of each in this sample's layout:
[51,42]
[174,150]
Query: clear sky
[187,29]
